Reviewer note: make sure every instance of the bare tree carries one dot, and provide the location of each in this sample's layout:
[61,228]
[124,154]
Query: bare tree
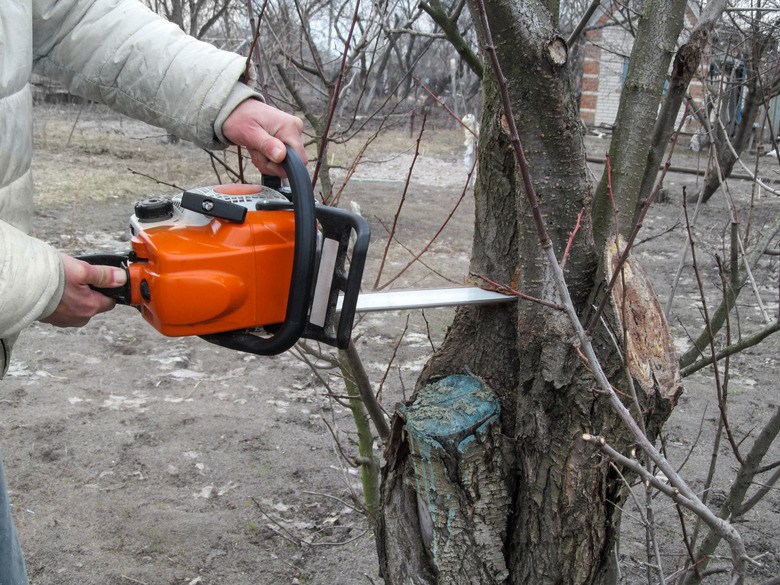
[198,18]
[522,497]
[349,64]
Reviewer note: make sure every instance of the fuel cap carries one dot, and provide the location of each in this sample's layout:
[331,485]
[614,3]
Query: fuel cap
[154,209]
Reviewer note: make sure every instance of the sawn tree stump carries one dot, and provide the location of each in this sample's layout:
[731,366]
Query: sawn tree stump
[446,476]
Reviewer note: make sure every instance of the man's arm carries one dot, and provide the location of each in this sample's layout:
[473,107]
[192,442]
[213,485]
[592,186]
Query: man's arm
[147,68]
[120,53]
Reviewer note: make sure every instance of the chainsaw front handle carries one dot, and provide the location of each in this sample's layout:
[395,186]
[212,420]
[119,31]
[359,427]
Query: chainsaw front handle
[304,264]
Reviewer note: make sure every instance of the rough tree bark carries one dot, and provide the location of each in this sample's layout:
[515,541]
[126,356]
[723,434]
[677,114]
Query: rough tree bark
[632,139]
[562,525]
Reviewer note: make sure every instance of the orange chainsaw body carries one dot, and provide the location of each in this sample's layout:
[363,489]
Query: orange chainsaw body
[221,262]
[221,276]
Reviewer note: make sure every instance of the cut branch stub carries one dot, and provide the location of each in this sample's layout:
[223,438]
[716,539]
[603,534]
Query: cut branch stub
[651,355]
[459,473]
[558,51]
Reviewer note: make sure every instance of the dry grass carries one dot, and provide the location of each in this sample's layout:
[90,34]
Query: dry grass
[92,153]
[99,155]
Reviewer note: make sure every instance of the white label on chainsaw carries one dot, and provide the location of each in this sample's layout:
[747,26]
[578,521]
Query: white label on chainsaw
[319,306]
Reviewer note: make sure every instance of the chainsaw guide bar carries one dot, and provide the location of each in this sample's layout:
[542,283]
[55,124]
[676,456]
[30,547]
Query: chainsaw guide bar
[397,300]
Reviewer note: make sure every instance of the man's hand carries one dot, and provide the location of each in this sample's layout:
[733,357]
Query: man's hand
[79,302]
[264,131]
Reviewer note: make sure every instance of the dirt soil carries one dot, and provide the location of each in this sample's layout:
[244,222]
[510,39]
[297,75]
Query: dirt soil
[134,458]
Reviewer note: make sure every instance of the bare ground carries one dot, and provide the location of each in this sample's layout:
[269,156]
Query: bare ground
[136,458]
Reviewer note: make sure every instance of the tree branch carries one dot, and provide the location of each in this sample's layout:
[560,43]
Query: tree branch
[583,22]
[450,27]
[743,344]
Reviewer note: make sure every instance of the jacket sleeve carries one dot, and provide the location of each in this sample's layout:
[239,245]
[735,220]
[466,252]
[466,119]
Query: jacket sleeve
[122,54]
[32,279]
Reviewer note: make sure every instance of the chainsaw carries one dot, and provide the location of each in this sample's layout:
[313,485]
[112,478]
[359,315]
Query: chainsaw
[255,268]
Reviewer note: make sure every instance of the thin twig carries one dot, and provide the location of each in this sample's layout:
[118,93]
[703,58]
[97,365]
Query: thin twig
[335,97]
[411,253]
[443,105]
[731,206]
[392,360]
[707,323]
[158,181]
[438,232]
[428,332]
[762,491]
[400,206]
[339,500]
[571,239]
[134,580]
[75,122]
[337,443]
[254,48]
[507,289]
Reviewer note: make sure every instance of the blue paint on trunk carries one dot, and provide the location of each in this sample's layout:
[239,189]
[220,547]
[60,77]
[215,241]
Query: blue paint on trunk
[442,424]
[450,410]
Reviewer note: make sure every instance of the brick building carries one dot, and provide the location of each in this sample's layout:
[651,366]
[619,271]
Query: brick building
[607,47]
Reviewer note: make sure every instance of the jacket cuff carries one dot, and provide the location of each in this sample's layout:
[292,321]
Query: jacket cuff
[32,280]
[237,95]
[56,298]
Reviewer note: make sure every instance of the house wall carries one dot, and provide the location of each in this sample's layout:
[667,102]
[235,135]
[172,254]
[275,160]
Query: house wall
[606,61]
[604,72]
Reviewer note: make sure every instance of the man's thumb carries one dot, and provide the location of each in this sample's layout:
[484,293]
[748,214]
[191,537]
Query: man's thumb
[106,277]
[277,152]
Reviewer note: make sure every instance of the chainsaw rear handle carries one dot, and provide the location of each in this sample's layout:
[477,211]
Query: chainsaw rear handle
[120,293]
[304,264]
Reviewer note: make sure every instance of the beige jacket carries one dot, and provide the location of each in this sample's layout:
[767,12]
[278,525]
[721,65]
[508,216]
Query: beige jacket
[114,51]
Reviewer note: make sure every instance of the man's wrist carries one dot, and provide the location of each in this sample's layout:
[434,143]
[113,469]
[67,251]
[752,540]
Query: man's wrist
[239,94]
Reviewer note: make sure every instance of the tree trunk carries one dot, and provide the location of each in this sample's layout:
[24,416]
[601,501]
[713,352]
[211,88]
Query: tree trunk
[686,63]
[562,525]
[455,475]
[632,139]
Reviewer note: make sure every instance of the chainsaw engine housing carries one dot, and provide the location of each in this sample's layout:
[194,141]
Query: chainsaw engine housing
[194,274]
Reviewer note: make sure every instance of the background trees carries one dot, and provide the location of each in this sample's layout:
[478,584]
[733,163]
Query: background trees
[199,18]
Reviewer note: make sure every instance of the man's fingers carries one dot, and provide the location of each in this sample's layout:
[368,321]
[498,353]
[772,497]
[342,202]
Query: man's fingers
[79,303]
[265,130]
[269,150]
[266,166]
